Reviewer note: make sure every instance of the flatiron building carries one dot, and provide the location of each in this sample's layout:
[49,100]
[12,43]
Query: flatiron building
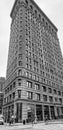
[34,76]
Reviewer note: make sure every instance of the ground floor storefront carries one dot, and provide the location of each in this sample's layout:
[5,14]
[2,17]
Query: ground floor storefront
[26,111]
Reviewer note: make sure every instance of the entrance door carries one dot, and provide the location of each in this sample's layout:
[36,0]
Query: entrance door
[46,112]
[39,112]
[52,112]
[29,116]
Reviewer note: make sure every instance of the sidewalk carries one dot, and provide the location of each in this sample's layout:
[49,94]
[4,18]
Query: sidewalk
[18,126]
[59,121]
[51,125]
[38,124]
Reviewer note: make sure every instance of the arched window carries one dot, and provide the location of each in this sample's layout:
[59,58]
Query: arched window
[52,30]
[43,20]
[26,2]
[49,27]
[39,16]
[35,12]
[31,7]
[46,24]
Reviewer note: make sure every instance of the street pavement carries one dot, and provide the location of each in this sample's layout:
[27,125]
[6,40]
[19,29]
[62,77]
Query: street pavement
[52,125]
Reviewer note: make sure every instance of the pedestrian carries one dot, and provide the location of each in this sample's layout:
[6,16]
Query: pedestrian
[10,121]
[35,119]
[46,120]
[32,118]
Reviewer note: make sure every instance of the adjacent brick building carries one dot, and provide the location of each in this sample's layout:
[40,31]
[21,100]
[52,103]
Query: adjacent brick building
[2,84]
[34,77]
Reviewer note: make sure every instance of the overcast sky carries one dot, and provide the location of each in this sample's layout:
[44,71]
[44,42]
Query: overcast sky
[52,8]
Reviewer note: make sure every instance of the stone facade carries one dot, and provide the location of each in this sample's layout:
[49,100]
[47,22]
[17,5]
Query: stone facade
[34,80]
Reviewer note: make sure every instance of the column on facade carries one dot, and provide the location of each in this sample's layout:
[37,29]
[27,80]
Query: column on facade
[35,110]
[55,108]
[14,109]
[24,111]
[35,114]
[7,114]
[50,113]
[24,89]
[60,111]
[43,112]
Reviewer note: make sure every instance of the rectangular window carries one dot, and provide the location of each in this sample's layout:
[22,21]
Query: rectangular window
[19,72]
[59,92]
[29,84]
[29,95]
[37,78]
[29,60]
[44,89]
[30,75]
[9,97]
[60,100]
[14,84]
[55,92]
[37,96]
[19,82]
[50,98]
[26,65]
[30,54]
[26,59]
[19,93]
[30,67]
[49,90]
[10,87]
[26,52]
[45,98]
[27,74]
[20,63]
[37,87]
[13,95]
[4,100]
[56,99]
